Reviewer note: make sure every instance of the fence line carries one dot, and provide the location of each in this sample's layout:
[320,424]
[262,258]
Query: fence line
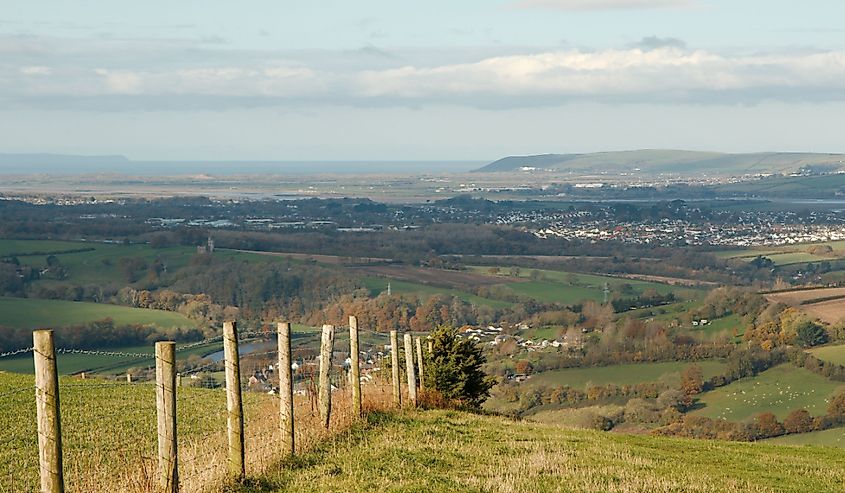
[164,472]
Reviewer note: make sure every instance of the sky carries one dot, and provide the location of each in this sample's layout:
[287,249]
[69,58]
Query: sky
[433,80]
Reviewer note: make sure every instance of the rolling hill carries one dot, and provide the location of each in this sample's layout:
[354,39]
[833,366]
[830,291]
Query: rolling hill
[671,161]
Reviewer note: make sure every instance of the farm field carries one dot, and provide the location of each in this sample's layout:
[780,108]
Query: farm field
[30,313]
[626,374]
[378,285]
[719,326]
[834,437]
[446,451]
[833,354]
[551,286]
[796,297]
[781,389]
[831,311]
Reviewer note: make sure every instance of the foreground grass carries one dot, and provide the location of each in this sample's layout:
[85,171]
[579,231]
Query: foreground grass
[445,451]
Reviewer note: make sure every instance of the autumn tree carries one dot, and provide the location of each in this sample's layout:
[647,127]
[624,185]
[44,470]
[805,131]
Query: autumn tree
[768,425]
[692,380]
[798,421]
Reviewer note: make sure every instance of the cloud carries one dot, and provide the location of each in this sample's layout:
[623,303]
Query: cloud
[586,5]
[654,42]
[36,70]
[131,75]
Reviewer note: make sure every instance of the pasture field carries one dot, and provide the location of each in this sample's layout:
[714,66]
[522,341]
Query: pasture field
[550,286]
[447,451]
[626,374]
[834,437]
[796,297]
[378,285]
[833,354]
[781,389]
[30,313]
[724,325]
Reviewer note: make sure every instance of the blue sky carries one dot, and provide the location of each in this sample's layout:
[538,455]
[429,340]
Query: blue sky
[352,80]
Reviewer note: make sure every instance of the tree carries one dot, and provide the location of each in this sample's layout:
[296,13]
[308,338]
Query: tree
[455,369]
[810,334]
[768,425]
[692,380]
[798,421]
[836,407]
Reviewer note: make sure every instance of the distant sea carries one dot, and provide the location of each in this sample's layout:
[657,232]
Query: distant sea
[170,168]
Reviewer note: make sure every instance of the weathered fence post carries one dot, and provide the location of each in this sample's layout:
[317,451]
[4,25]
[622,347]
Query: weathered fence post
[285,389]
[420,363]
[355,369]
[48,413]
[168,465]
[430,346]
[394,367]
[409,369]
[234,405]
[326,347]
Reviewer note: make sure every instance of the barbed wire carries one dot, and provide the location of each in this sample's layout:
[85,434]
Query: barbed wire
[16,391]
[97,352]
[16,352]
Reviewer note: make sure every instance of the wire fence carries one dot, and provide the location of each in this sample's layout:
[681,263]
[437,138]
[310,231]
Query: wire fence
[108,422]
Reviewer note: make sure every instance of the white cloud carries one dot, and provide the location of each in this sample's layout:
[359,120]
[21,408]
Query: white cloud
[36,70]
[654,71]
[602,4]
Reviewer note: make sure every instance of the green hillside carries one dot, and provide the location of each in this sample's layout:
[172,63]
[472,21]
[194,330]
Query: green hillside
[29,313]
[669,161]
[442,451]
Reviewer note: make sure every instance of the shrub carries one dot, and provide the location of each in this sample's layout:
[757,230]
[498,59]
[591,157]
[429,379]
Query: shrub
[454,369]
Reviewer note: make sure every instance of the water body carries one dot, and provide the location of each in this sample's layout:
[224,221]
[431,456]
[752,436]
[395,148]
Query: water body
[59,165]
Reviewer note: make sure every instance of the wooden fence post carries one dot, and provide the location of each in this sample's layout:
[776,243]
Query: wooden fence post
[409,369]
[48,413]
[430,346]
[234,405]
[420,363]
[285,389]
[355,369]
[326,348]
[168,464]
[394,367]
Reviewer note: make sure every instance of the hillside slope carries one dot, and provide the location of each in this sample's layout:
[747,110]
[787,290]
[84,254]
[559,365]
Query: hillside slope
[670,161]
[451,451]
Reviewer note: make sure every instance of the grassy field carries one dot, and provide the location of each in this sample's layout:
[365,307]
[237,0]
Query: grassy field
[623,374]
[550,286]
[834,437]
[377,285]
[32,313]
[780,390]
[441,451]
[834,354]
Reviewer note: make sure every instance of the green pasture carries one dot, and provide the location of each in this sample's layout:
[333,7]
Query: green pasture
[627,374]
[834,437]
[30,313]
[378,285]
[833,354]
[780,390]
